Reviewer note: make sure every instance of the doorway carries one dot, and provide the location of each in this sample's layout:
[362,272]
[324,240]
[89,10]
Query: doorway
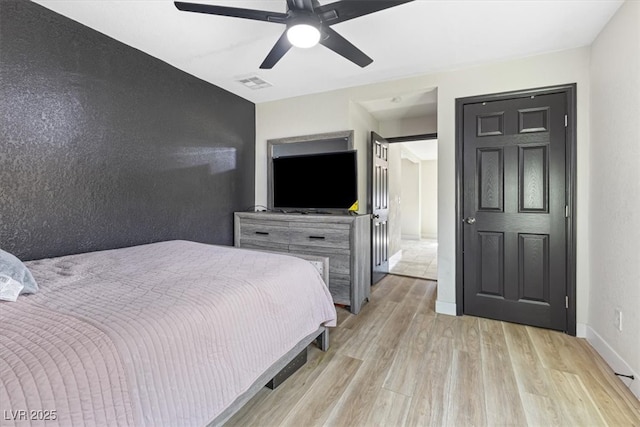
[415,193]
[403,193]
[405,118]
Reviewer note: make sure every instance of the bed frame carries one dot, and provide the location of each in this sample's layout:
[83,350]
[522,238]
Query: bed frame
[321,337]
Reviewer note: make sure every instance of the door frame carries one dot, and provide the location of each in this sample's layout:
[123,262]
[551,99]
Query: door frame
[569,90]
[412,138]
[392,140]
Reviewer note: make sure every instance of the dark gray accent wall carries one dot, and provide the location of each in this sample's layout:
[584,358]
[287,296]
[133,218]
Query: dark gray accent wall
[103,146]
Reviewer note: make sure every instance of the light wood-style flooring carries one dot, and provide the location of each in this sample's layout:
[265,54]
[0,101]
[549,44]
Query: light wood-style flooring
[398,363]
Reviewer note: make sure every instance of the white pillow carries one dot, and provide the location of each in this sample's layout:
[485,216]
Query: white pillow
[14,268]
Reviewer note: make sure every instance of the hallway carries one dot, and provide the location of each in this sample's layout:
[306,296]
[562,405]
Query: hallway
[418,258]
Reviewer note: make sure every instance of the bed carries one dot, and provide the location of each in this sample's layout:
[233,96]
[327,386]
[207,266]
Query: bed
[166,334]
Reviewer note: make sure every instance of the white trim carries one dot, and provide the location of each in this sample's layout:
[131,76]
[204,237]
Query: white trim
[613,359]
[410,237]
[395,259]
[581,330]
[443,307]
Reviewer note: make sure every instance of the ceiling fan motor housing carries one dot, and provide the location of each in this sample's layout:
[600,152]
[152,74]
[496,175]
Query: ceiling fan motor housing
[302,17]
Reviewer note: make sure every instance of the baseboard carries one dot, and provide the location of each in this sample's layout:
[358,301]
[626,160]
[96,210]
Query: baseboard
[613,359]
[448,308]
[581,330]
[430,236]
[410,237]
[395,259]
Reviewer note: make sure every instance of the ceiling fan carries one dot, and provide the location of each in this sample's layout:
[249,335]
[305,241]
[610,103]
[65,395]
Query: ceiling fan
[308,23]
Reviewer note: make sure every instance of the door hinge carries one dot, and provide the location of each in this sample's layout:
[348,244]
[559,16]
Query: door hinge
[566,211]
[566,301]
[566,120]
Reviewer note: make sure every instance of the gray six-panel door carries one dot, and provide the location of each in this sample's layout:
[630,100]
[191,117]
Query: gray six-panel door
[380,207]
[514,201]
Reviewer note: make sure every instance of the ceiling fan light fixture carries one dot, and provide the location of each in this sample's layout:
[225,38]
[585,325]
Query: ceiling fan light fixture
[303,35]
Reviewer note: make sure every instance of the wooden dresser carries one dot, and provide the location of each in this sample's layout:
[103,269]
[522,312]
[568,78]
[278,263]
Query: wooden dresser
[344,239]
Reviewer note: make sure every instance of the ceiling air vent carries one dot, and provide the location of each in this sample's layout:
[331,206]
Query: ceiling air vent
[254,82]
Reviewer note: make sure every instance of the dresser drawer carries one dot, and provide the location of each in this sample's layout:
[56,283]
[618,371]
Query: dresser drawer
[340,288]
[313,235]
[342,239]
[267,232]
[264,245]
[339,259]
[340,264]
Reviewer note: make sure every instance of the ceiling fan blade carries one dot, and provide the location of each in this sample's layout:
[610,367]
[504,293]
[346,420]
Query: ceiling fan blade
[342,46]
[281,47]
[340,11]
[258,15]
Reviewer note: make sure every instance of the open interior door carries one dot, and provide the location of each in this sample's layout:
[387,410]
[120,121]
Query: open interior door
[379,207]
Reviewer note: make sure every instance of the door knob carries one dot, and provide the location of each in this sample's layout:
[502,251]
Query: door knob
[375,216]
[469,220]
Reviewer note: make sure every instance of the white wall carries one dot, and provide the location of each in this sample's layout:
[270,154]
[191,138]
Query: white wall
[326,112]
[615,190]
[306,115]
[410,201]
[429,198]
[329,112]
[409,126]
[362,123]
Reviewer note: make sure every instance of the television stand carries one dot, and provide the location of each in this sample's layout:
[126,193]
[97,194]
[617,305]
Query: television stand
[344,239]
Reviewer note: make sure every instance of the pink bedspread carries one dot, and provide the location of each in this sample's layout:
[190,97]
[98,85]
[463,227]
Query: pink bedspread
[166,334]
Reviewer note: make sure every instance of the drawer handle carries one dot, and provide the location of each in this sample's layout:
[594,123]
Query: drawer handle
[262,233]
[317,237]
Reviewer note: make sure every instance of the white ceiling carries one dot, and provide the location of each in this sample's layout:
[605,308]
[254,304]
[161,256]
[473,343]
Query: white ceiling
[415,38]
[403,105]
[423,149]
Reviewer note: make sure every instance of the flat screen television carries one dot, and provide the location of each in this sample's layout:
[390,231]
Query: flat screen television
[315,181]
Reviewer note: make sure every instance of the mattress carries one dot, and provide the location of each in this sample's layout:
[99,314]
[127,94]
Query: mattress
[165,334]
